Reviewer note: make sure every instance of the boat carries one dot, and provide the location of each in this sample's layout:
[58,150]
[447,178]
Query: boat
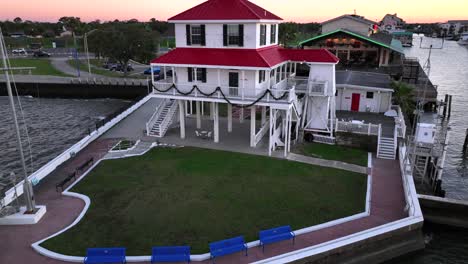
[463,39]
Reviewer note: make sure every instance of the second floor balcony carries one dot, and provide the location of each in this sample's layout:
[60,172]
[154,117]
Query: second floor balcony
[239,95]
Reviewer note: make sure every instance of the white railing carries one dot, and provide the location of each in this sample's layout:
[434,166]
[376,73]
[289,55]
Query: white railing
[411,198]
[378,139]
[399,121]
[167,119]
[155,116]
[357,127]
[263,130]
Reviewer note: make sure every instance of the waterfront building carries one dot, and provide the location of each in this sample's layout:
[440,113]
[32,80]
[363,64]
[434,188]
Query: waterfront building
[357,50]
[354,23]
[392,23]
[227,56]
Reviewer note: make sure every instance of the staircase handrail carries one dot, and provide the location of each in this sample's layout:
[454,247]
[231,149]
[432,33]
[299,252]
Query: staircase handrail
[167,118]
[154,117]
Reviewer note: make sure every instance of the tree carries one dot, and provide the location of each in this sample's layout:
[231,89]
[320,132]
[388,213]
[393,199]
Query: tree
[73,24]
[18,20]
[124,42]
[404,97]
[288,33]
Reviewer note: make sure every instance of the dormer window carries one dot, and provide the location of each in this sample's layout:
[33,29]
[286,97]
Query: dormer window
[273,34]
[233,35]
[195,35]
[262,35]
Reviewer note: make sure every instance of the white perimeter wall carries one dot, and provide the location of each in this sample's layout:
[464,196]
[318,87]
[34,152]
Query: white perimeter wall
[379,104]
[214,36]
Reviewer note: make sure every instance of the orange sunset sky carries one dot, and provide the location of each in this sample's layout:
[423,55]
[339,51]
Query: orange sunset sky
[290,10]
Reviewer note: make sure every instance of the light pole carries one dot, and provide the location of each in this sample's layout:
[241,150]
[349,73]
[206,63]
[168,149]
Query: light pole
[27,186]
[87,48]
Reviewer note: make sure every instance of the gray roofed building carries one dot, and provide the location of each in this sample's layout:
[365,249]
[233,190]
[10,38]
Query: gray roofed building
[363,79]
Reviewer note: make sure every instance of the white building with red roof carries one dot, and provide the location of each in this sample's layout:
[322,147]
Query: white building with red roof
[227,53]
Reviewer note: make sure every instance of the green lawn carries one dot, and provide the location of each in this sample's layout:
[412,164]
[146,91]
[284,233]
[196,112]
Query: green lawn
[195,196]
[334,152]
[43,67]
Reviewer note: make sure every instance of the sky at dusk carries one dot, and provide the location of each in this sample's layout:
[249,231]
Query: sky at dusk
[290,10]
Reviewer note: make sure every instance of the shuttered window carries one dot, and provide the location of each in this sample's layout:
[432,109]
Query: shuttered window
[196,35]
[261,76]
[198,75]
[233,35]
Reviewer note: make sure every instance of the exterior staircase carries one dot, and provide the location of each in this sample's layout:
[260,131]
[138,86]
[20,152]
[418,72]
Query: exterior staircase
[161,120]
[386,148]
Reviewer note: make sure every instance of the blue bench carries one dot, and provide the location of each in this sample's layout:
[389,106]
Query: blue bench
[228,246]
[170,254]
[276,234]
[105,255]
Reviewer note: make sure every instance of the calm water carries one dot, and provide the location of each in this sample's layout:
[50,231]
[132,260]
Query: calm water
[447,245]
[53,124]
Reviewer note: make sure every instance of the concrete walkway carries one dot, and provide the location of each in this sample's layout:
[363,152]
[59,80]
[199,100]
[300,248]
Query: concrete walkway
[62,65]
[327,163]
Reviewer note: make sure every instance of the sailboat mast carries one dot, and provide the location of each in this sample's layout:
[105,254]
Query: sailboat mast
[28,191]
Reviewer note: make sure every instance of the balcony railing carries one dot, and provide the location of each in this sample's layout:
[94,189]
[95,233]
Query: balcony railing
[311,87]
[399,121]
[357,127]
[165,87]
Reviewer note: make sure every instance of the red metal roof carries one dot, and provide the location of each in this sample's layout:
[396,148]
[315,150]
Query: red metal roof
[226,10]
[257,58]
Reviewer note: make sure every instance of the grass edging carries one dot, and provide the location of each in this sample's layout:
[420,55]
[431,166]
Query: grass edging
[194,257]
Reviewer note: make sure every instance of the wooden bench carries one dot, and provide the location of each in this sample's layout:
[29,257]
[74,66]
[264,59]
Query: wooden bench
[275,235]
[85,165]
[105,255]
[228,246]
[170,254]
[62,183]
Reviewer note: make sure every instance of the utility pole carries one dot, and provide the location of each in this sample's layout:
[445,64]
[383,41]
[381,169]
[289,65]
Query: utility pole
[27,186]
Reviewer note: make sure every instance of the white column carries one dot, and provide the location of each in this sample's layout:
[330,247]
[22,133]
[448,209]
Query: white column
[216,123]
[270,132]
[229,113]
[197,110]
[182,118]
[263,115]
[243,84]
[252,126]
[212,111]
[202,108]
[241,115]
[289,130]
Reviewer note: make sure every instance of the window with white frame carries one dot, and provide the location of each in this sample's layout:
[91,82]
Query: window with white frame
[262,35]
[233,35]
[273,34]
[197,75]
[261,76]
[196,34]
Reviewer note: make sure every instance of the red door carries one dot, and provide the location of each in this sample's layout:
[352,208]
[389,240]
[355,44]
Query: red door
[355,102]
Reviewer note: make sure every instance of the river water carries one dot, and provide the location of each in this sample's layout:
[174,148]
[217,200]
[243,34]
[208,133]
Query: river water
[56,124]
[449,70]
[53,125]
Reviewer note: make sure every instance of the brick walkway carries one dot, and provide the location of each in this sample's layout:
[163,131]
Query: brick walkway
[387,206]
[15,241]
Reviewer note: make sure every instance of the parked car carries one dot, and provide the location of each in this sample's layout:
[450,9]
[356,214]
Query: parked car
[41,53]
[119,67]
[156,70]
[21,51]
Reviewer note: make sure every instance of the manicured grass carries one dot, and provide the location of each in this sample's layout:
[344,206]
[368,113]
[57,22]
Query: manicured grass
[43,67]
[192,196]
[334,152]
